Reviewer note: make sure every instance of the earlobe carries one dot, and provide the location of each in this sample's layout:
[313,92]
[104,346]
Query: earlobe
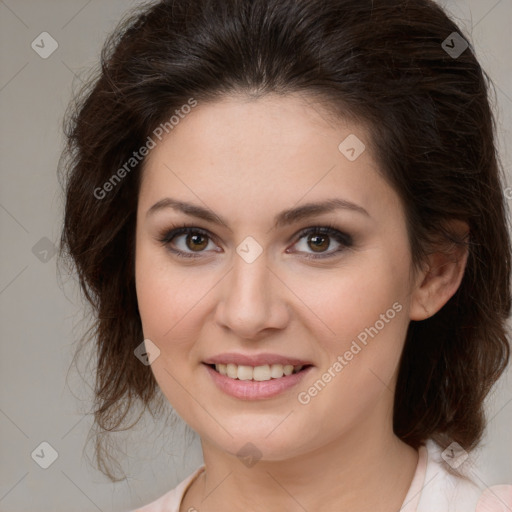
[441,278]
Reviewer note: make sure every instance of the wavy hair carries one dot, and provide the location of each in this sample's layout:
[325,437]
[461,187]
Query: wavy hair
[381,62]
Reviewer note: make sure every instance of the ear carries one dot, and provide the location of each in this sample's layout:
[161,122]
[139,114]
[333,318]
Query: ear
[438,281]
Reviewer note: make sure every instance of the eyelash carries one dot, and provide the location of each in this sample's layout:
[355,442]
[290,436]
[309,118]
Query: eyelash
[167,236]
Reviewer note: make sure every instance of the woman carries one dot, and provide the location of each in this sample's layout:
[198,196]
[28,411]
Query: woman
[288,217]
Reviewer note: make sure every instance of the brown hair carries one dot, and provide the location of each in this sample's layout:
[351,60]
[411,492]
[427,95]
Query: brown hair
[382,62]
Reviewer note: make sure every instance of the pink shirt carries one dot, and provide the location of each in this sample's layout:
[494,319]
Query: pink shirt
[433,489]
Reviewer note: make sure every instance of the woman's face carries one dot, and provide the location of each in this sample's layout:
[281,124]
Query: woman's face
[259,284]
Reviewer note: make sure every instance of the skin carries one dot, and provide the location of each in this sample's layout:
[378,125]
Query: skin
[247,160]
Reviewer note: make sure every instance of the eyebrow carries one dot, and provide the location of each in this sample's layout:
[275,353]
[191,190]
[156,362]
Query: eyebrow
[284,218]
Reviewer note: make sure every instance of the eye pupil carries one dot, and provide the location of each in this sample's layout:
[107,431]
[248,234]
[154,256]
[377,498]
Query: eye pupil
[317,242]
[198,242]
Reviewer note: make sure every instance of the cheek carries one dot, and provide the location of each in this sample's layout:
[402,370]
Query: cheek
[365,307]
[354,297]
[167,304]
[172,304]
[355,378]
[160,307]
[164,294]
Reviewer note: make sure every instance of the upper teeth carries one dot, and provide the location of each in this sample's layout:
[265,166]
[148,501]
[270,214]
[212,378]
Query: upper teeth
[264,372]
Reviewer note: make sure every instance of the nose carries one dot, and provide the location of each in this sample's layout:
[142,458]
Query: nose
[253,299]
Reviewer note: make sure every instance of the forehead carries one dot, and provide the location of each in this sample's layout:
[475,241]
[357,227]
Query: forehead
[276,150]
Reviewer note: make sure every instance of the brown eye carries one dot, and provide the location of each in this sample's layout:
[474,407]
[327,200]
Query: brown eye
[318,243]
[325,241]
[186,241]
[196,242]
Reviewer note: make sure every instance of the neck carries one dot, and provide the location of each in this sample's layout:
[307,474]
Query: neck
[363,470]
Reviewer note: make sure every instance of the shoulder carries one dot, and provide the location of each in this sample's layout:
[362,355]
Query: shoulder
[170,501]
[452,485]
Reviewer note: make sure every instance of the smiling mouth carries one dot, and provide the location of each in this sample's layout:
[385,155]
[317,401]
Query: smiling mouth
[257,373]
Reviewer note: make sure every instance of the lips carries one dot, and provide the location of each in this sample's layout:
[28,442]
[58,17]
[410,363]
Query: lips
[251,388]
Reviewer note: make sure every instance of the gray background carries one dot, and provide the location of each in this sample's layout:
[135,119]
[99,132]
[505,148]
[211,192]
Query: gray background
[41,320]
